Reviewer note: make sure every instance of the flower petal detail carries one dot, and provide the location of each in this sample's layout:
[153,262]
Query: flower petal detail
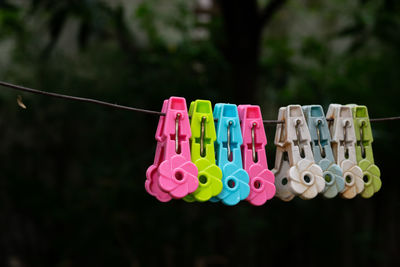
[310,193]
[372,174]
[152,186]
[232,199]
[354,184]
[235,184]
[178,176]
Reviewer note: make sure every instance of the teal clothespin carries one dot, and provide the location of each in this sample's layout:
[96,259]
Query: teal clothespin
[235,179]
[321,146]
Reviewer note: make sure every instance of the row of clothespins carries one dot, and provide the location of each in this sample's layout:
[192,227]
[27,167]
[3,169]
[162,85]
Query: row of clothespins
[220,155]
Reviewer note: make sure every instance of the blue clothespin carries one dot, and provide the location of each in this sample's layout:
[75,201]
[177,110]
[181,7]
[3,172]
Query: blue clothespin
[321,146]
[235,179]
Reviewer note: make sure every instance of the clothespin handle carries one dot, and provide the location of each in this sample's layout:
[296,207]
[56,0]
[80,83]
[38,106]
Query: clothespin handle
[235,179]
[253,134]
[229,137]
[202,151]
[203,130]
[176,130]
[254,158]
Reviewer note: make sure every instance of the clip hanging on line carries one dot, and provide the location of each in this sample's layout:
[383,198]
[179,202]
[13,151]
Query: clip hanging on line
[202,151]
[235,179]
[364,153]
[295,170]
[321,147]
[172,175]
[262,180]
[343,145]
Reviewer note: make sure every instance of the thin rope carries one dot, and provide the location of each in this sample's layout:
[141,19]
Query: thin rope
[116,106]
[81,99]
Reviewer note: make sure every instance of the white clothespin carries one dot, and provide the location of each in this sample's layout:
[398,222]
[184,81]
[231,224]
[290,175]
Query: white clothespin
[343,136]
[295,170]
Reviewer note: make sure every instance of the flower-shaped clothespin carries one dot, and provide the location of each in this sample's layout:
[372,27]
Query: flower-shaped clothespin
[235,185]
[321,147]
[372,181]
[202,151]
[353,179]
[343,139]
[261,187]
[235,179]
[178,176]
[172,175]
[295,170]
[254,159]
[333,175]
[364,153]
[306,179]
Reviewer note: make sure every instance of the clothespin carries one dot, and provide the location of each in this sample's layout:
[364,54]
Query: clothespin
[295,170]
[321,147]
[364,153]
[235,179]
[343,142]
[254,159]
[172,175]
[202,151]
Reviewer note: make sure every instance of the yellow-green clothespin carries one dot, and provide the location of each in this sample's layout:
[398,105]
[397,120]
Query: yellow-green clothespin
[202,151]
[365,158]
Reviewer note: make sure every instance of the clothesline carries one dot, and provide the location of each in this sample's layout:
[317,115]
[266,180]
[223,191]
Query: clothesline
[117,106]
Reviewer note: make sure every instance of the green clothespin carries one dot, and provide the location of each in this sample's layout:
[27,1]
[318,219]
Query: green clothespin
[365,158]
[202,151]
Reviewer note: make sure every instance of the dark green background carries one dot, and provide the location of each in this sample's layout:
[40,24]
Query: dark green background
[72,174]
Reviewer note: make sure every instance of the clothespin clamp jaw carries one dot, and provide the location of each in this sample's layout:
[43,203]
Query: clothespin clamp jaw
[343,142]
[321,147]
[172,173]
[295,170]
[254,158]
[202,151]
[364,153]
[235,179]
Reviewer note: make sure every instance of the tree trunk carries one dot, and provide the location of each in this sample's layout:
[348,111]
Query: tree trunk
[242,27]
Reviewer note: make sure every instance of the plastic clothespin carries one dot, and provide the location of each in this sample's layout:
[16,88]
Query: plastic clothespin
[364,153]
[343,142]
[172,175]
[295,170]
[202,151]
[262,187]
[321,147]
[235,179]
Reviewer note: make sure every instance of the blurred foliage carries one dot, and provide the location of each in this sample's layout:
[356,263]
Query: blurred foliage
[71,182]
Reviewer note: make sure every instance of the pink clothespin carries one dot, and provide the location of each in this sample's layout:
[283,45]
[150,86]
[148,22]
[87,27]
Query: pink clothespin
[262,187]
[172,175]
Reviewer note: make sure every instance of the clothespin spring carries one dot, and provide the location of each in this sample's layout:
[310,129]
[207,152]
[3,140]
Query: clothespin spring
[253,143]
[177,133]
[202,133]
[302,154]
[362,139]
[319,140]
[346,150]
[229,142]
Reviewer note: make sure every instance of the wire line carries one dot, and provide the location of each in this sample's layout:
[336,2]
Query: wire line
[81,99]
[116,106]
